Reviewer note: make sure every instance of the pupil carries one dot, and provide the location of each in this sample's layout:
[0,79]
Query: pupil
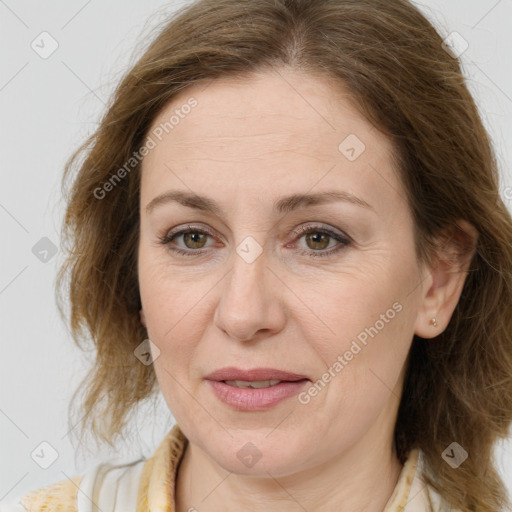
[194,238]
[316,238]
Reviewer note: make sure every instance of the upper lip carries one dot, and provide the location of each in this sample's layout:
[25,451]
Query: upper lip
[254,374]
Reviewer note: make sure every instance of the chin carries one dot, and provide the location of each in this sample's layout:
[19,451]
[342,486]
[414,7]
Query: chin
[252,453]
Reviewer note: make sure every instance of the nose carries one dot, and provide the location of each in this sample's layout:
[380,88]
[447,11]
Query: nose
[251,304]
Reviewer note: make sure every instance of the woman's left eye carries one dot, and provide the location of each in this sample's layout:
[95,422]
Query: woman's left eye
[316,237]
[319,238]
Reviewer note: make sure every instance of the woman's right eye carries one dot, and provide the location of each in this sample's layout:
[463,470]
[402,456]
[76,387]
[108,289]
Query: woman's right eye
[191,236]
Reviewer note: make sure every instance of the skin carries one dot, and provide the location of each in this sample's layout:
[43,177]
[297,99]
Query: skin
[247,143]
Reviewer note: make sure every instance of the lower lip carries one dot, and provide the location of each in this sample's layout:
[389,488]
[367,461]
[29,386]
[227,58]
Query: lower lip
[251,399]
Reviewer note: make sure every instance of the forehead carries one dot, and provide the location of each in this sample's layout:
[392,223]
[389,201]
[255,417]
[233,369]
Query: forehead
[287,127]
[285,104]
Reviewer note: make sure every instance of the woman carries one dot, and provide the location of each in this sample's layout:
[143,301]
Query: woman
[288,222]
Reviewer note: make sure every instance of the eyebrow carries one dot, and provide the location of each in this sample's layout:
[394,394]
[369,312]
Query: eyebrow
[284,205]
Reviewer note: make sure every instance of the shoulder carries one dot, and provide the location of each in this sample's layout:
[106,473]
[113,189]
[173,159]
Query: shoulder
[412,493]
[110,486]
[106,485]
[49,498]
[430,496]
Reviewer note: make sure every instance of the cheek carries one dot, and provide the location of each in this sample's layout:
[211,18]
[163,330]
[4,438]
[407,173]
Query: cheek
[172,311]
[354,301]
[175,308]
[362,366]
[368,321]
[167,298]
[173,321]
[366,341]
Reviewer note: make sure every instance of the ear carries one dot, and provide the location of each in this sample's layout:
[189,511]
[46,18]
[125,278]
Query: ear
[456,248]
[142,317]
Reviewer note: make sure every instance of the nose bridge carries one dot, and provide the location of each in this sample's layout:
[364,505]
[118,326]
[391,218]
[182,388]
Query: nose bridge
[248,303]
[247,278]
[249,259]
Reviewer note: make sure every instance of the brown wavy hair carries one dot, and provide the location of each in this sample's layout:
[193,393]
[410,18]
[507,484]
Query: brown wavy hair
[458,386]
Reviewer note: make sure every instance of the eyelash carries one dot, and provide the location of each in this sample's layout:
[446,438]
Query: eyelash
[300,232]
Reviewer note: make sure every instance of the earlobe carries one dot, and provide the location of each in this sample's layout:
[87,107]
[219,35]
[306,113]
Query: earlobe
[142,317]
[448,275]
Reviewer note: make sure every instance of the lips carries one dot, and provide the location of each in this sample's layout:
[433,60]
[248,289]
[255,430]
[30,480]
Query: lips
[254,390]
[255,374]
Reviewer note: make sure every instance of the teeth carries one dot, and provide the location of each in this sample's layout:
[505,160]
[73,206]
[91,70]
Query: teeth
[252,384]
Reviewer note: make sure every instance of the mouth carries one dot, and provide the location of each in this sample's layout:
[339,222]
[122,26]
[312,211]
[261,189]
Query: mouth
[232,374]
[255,384]
[254,390]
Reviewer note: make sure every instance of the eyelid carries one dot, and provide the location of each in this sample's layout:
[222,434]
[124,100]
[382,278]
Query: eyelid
[180,230]
[322,228]
[303,228]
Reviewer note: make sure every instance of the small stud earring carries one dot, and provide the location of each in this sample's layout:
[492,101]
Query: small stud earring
[433,322]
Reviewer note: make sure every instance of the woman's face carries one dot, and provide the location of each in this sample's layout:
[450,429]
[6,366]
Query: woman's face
[228,279]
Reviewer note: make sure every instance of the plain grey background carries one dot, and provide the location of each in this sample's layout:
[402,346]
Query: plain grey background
[48,105]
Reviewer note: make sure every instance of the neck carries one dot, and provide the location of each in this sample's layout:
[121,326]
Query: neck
[361,479]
